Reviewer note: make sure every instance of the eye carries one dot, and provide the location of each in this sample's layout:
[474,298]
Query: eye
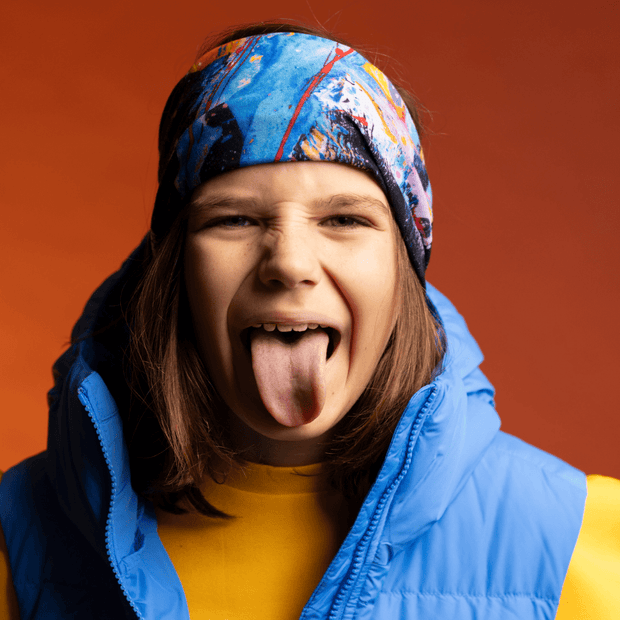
[345,221]
[230,221]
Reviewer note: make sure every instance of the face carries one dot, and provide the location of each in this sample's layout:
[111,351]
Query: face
[290,270]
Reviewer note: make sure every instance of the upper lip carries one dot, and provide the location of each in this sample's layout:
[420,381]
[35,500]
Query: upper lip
[290,318]
[296,318]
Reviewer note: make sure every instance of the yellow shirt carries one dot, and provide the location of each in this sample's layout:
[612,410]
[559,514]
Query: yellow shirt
[284,524]
[292,543]
[592,585]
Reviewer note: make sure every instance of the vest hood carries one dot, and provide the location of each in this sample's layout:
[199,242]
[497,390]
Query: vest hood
[442,435]
[451,439]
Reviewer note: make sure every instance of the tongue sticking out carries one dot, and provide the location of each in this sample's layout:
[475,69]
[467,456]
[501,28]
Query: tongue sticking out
[291,376]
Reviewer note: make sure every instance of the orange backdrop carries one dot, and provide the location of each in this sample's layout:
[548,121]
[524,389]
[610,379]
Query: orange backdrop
[523,160]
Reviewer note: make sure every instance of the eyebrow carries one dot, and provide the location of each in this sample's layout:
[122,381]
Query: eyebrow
[336,201]
[220,200]
[356,200]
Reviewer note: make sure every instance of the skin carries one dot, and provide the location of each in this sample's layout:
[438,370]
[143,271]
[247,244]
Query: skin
[290,243]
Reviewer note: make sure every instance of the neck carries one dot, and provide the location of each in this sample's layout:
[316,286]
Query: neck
[257,448]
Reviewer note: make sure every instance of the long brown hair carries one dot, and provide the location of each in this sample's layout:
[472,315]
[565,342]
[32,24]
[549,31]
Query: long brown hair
[174,426]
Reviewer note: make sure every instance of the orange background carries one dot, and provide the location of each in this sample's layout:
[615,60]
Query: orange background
[523,161]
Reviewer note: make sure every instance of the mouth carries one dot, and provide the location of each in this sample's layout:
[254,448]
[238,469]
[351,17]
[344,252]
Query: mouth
[291,333]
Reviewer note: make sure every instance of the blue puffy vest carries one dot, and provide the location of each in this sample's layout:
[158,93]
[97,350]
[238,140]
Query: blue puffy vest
[463,521]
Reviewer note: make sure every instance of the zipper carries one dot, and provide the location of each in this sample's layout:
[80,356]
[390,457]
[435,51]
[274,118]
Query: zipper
[82,395]
[358,558]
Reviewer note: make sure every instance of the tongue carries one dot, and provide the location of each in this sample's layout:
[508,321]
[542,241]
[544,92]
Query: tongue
[291,377]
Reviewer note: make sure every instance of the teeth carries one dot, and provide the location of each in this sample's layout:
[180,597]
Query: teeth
[302,327]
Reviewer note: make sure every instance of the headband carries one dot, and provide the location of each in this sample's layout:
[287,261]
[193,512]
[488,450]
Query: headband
[293,97]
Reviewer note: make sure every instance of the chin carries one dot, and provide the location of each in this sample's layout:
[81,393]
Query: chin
[265,425]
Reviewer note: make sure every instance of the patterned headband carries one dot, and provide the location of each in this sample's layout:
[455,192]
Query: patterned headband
[293,97]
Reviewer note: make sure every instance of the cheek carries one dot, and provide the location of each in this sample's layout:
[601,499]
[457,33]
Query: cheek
[372,295]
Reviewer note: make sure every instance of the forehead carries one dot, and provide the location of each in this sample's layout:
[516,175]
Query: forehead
[302,182]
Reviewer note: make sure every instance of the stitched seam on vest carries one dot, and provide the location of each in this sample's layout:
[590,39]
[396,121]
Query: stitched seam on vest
[508,595]
[537,464]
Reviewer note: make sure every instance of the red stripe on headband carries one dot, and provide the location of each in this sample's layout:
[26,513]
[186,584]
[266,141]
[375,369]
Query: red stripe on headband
[339,54]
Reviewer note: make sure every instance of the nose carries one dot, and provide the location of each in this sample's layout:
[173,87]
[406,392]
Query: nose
[290,259]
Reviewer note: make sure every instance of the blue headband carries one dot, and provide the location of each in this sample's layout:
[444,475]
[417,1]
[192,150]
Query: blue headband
[294,97]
